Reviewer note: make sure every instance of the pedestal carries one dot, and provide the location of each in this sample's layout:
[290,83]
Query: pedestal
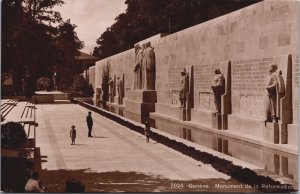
[271,133]
[210,119]
[118,100]
[111,98]
[44,98]
[292,134]
[139,104]
[182,114]
[217,121]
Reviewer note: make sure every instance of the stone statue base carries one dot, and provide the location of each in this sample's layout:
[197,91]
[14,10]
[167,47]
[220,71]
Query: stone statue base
[139,104]
[208,118]
[111,98]
[118,100]
[271,133]
[292,134]
[267,131]
[220,121]
[115,108]
[173,111]
[246,125]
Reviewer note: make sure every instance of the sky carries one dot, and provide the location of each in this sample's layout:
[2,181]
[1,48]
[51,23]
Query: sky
[92,18]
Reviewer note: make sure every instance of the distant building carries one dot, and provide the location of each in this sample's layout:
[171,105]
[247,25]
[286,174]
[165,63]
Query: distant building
[85,60]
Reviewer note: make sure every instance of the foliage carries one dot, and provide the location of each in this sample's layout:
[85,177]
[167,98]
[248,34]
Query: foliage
[145,18]
[105,80]
[80,86]
[12,135]
[35,36]
[43,83]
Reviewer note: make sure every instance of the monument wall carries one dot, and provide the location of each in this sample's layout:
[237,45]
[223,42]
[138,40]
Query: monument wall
[250,39]
[91,79]
[119,64]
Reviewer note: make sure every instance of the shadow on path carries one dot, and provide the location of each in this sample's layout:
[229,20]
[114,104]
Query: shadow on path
[117,181]
[99,137]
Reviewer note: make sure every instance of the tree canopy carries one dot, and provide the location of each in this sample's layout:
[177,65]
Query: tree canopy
[35,36]
[145,18]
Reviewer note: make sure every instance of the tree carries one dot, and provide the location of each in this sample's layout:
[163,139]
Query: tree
[67,44]
[35,37]
[12,135]
[145,18]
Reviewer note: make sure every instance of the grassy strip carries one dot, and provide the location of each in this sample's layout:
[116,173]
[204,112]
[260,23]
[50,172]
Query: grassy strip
[245,175]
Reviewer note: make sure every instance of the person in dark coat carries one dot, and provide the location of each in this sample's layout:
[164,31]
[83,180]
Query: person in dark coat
[89,122]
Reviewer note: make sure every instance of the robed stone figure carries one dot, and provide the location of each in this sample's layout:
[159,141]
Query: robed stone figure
[184,88]
[138,67]
[111,89]
[148,68]
[119,87]
[275,90]
[218,88]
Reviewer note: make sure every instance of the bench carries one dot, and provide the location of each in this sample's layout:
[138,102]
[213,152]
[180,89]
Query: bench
[30,133]
[6,107]
[28,114]
[27,119]
[23,113]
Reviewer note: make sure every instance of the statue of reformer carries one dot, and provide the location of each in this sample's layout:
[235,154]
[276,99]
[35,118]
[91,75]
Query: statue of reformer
[218,88]
[148,68]
[184,88]
[119,86]
[111,89]
[275,90]
[138,67]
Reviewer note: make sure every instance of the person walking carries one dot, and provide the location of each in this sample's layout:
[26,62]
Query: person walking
[89,122]
[73,134]
[147,131]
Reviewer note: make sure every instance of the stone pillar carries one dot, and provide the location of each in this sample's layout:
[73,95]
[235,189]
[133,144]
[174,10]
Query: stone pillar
[285,103]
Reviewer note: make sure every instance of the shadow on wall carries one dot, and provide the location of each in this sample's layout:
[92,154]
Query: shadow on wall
[115,181]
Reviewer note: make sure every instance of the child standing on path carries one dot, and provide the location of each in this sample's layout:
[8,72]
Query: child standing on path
[73,134]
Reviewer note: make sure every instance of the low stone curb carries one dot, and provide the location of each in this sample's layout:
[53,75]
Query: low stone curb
[245,175]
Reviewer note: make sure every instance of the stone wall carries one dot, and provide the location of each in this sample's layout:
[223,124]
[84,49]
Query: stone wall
[119,64]
[92,75]
[251,39]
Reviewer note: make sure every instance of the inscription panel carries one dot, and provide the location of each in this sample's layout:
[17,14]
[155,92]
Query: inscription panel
[175,77]
[248,76]
[204,76]
[253,106]
[248,83]
[175,97]
[206,101]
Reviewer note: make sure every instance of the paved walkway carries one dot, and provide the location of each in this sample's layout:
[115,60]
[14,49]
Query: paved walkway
[114,156]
